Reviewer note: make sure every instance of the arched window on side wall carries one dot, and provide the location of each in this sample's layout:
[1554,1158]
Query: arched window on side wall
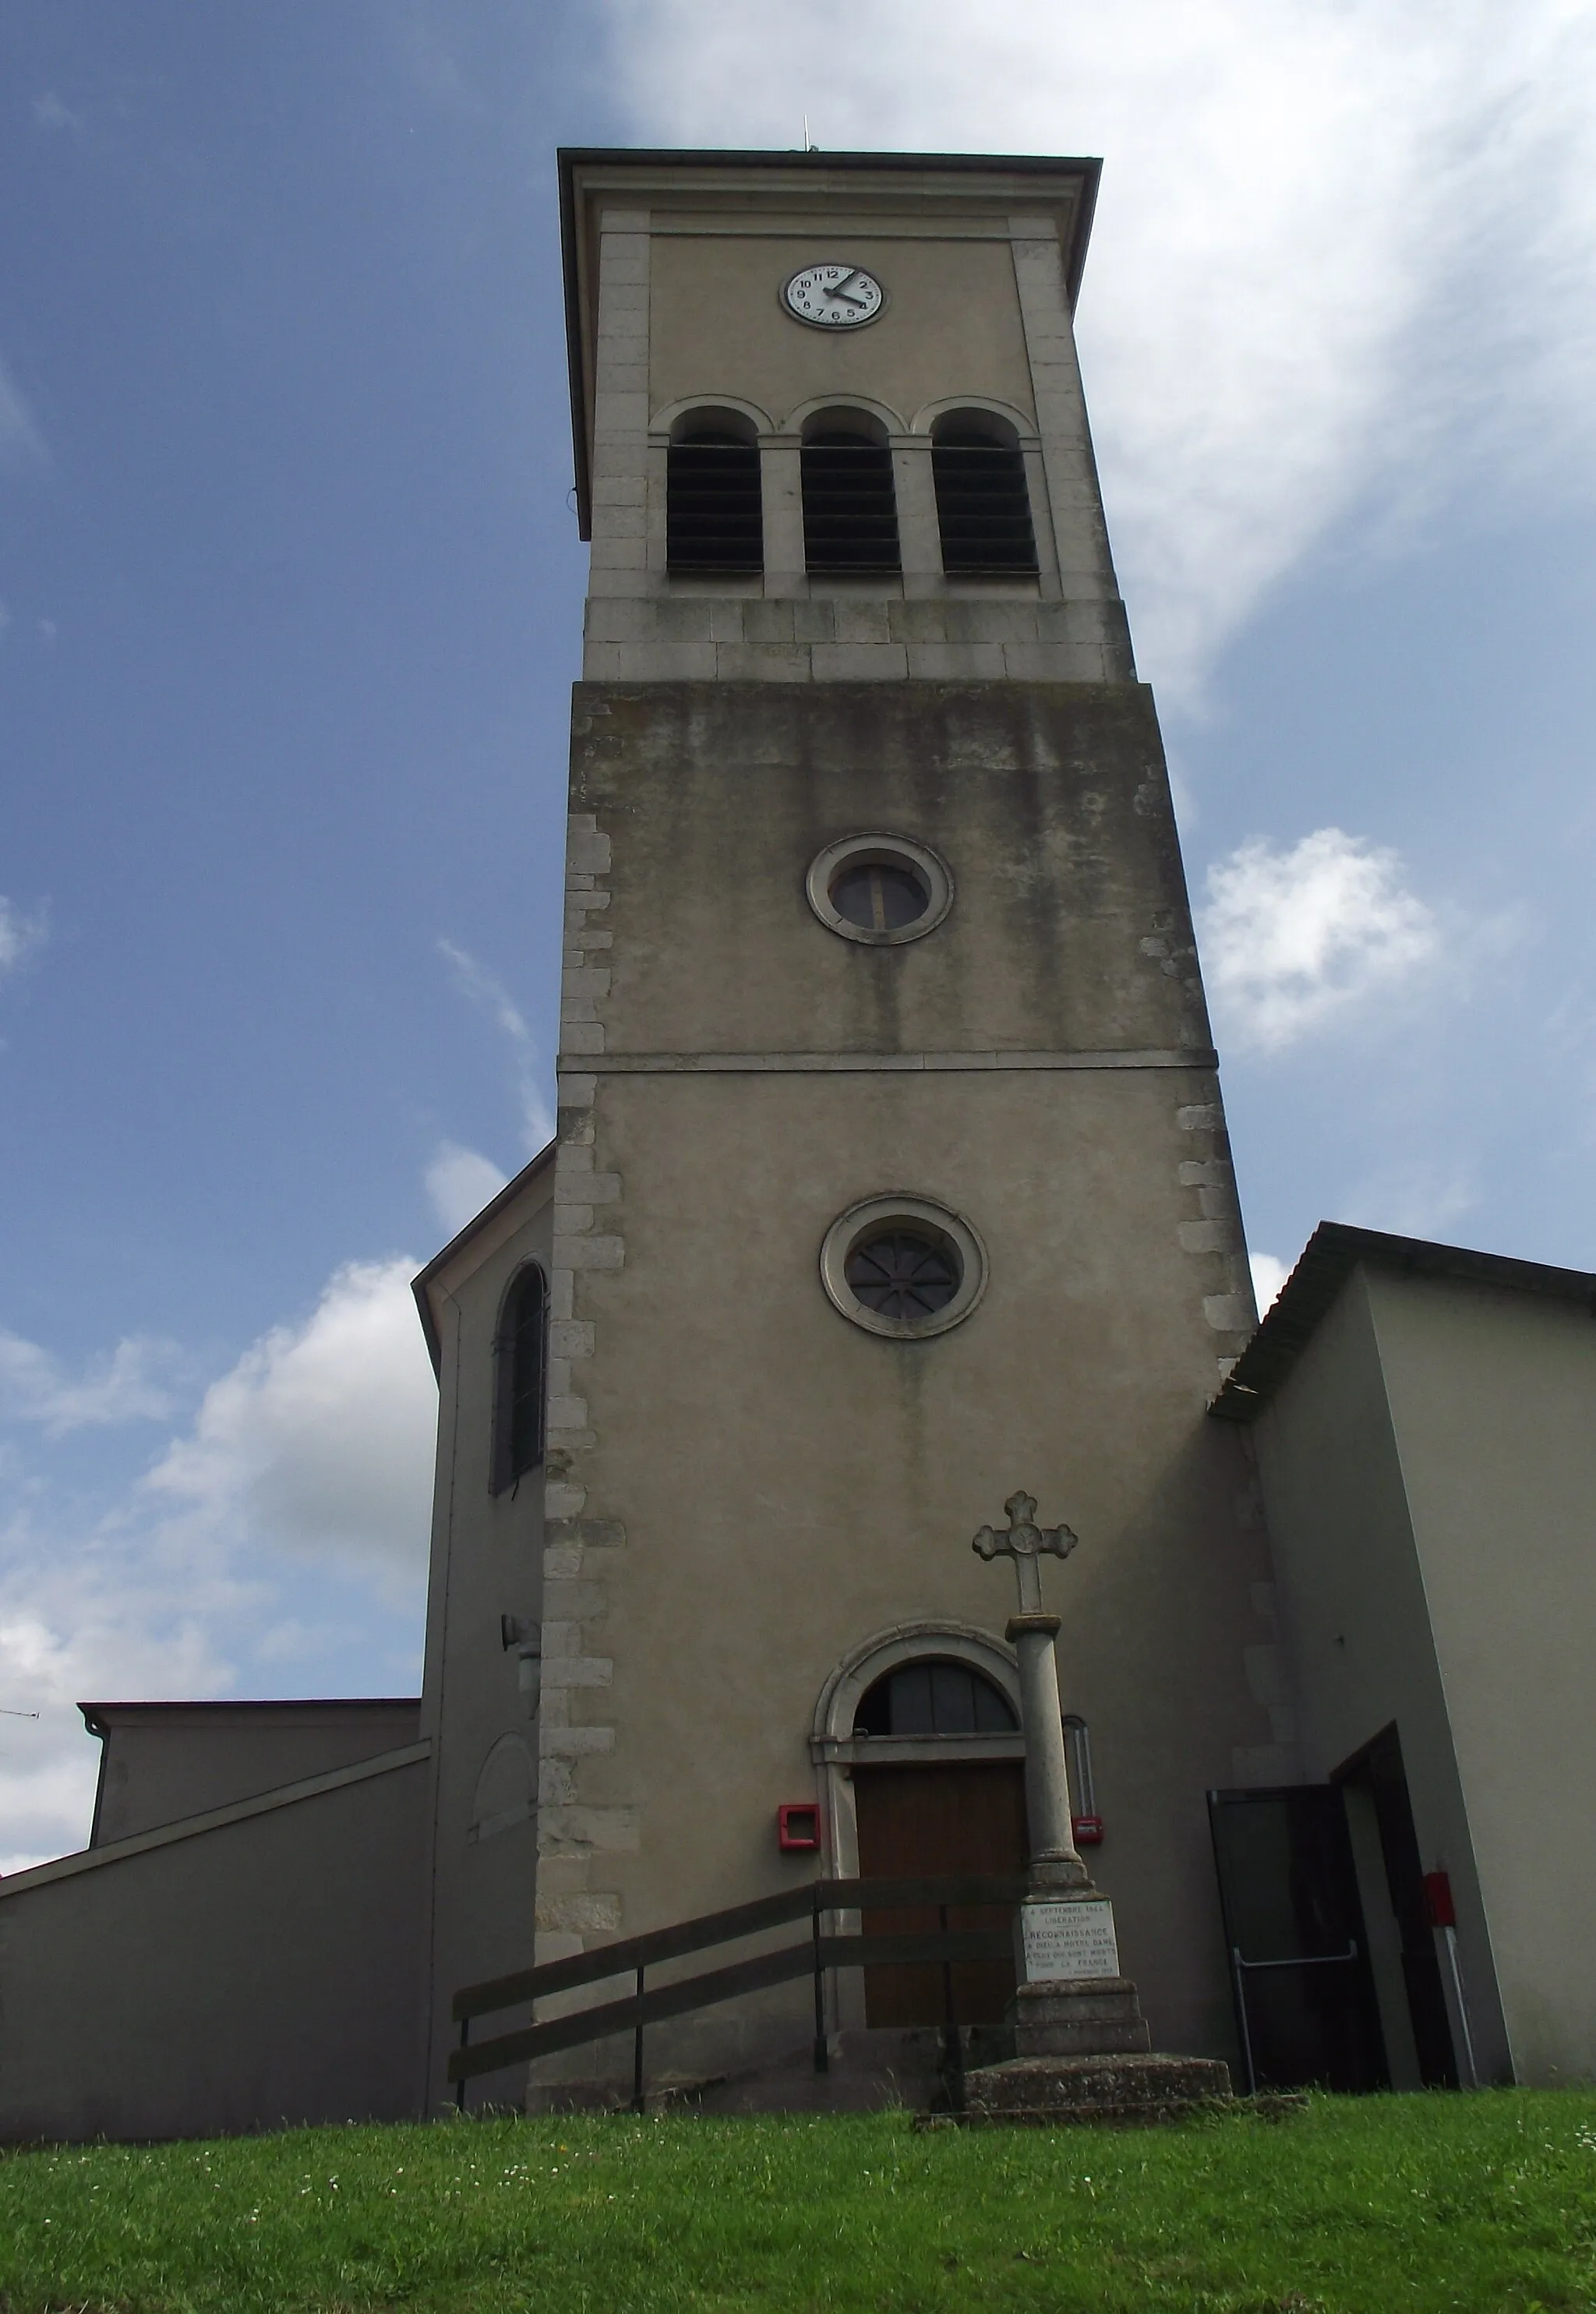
[851,508]
[983,501]
[933,1699]
[714,517]
[519,1373]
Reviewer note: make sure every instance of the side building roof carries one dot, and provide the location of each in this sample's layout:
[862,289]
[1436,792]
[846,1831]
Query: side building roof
[1328,1259]
[495,1221]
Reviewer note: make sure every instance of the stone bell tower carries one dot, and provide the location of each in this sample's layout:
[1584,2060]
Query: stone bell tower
[891,1172]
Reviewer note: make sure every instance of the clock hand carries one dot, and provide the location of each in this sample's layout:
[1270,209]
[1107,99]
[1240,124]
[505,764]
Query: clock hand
[840,289]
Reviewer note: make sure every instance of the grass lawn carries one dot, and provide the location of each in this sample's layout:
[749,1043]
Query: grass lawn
[1359,2206]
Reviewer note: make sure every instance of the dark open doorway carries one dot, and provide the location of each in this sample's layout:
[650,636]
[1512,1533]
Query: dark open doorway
[1334,1968]
[1403,1958]
[1306,2011]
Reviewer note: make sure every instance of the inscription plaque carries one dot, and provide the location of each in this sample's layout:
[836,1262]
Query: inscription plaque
[1061,1942]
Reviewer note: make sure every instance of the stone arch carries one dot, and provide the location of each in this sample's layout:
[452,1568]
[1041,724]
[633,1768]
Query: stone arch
[507,1788]
[905,1643]
[1024,426]
[835,1749]
[663,423]
[819,403]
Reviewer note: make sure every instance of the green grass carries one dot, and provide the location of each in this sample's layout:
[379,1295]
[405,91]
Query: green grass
[1358,2206]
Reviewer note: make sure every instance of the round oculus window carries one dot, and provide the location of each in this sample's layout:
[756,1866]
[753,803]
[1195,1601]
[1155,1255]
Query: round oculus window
[902,1266]
[881,889]
[907,1274]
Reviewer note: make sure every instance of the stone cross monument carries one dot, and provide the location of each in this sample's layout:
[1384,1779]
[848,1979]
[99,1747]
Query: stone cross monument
[1054,1862]
[1081,2044]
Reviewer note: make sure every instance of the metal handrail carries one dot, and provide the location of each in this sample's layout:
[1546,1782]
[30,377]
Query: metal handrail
[1239,1966]
[647,2004]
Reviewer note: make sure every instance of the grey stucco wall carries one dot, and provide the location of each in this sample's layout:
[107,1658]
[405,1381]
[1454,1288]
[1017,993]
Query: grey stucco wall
[479,1705]
[1356,1613]
[163,1762]
[746,1485]
[1492,1393]
[237,1976]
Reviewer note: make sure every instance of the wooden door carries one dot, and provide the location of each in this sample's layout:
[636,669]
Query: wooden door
[968,1816]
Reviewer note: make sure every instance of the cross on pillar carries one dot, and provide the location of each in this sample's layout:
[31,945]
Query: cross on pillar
[1024,1541]
[1055,1860]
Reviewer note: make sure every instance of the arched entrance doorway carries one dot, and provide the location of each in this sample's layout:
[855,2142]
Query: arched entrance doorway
[918,1733]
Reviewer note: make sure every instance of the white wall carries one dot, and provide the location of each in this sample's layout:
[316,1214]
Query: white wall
[1355,1608]
[1493,1397]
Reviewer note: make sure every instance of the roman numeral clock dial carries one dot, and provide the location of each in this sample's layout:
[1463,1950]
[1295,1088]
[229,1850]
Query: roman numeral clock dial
[834,297]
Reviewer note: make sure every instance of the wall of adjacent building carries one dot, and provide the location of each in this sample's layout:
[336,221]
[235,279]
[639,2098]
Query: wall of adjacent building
[481,1700]
[1492,1394]
[163,1762]
[1356,1611]
[254,1967]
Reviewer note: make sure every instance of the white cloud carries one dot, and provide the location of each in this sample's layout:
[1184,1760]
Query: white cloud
[1286,311]
[1291,939]
[475,982]
[319,1441]
[460,1183]
[50,113]
[20,441]
[1268,1276]
[95,1622]
[123,1385]
[303,1483]
[20,933]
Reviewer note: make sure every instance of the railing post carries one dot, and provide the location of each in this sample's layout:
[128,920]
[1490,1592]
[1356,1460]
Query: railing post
[460,2084]
[637,2052]
[823,2055]
[1237,1966]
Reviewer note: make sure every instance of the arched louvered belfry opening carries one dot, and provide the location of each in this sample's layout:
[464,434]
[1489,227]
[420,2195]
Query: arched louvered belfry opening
[983,501]
[520,1359]
[851,508]
[714,517]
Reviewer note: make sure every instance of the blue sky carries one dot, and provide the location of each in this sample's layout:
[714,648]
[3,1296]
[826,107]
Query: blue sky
[291,596]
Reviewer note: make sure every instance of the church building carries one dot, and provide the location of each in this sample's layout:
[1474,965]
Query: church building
[891,1181]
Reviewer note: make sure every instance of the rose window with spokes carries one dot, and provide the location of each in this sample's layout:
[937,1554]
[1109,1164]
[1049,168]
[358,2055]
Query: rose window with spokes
[901,1274]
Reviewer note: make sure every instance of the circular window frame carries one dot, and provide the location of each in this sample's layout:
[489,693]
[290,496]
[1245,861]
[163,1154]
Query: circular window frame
[877,848]
[898,1206]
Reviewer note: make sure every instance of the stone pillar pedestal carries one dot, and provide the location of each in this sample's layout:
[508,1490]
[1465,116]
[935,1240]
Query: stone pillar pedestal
[1137,2085]
[1091,2017]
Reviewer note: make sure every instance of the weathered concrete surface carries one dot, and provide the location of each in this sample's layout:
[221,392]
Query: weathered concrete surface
[1070,928]
[1099,2017]
[1135,2088]
[496,1714]
[774,1484]
[162,1762]
[247,1970]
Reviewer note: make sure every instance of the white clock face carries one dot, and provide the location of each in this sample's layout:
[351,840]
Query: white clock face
[834,297]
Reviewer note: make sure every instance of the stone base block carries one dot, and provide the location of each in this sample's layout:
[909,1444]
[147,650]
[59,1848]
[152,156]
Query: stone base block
[1139,2087]
[1093,2016]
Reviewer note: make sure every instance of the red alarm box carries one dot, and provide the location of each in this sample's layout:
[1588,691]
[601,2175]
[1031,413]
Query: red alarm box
[1087,1830]
[1437,1901]
[798,1826]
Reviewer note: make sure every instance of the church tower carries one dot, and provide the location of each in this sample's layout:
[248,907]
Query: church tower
[891,1173]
